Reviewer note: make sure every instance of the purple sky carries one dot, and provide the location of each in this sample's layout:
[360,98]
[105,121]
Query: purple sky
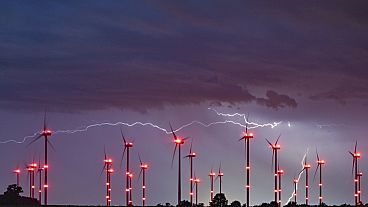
[301,63]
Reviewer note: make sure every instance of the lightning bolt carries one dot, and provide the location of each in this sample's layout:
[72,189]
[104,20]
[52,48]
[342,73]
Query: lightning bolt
[255,125]
[195,122]
[299,176]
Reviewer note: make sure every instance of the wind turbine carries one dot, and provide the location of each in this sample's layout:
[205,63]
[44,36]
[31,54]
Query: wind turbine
[280,172]
[178,142]
[30,171]
[306,169]
[17,172]
[219,175]
[33,165]
[356,155]
[190,156]
[295,181]
[144,167]
[46,133]
[211,175]
[360,174]
[196,182]
[39,171]
[107,167]
[246,137]
[275,147]
[319,166]
[128,187]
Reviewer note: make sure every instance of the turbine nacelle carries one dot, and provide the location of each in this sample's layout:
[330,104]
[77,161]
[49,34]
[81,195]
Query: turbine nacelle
[108,161]
[276,146]
[320,162]
[128,144]
[110,170]
[359,174]
[356,155]
[212,174]
[179,141]
[247,135]
[306,166]
[144,166]
[30,169]
[296,181]
[280,172]
[46,132]
[17,171]
[193,154]
[197,180]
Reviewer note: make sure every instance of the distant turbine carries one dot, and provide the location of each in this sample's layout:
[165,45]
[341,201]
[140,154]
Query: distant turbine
[275,147]
[30,169]
[211,175]
[143,167]
[360,174]
[280,172]
[190,156]
[219,176]
[39,171]
[44,133]
[128,187]
[356,155]
[295,181]
[196,182]
[319,166]
[17,172]
[178,142]
[107,167]
[306,169]
[246,137]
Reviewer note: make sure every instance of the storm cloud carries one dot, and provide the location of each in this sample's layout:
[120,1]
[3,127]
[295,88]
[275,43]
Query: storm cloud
[96,56]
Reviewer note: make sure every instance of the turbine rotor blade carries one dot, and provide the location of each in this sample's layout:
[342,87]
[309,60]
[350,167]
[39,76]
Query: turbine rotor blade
[34,140]
[277,139]
[140,172]
[122,136]
[190,149]
[317,155]
[51,145]
[315,172]
[352,168]
[44,121]
[273,157]
[173,156]
[105,156]
[172,131]
[122,158]
[269,143]
[140,160]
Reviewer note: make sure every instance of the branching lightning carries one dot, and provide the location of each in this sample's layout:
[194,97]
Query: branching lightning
[251,125]
[255,125]
[299,176]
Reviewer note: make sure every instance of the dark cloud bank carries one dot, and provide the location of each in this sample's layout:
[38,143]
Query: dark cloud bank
[139,55]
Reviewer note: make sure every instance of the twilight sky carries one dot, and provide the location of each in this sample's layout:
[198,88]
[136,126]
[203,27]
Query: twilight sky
[303,64]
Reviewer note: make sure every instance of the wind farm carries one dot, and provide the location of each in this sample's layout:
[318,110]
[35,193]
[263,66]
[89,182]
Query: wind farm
[183,103]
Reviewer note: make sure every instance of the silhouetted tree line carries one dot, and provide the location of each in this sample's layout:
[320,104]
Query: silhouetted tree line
[12,197]
[220,201]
